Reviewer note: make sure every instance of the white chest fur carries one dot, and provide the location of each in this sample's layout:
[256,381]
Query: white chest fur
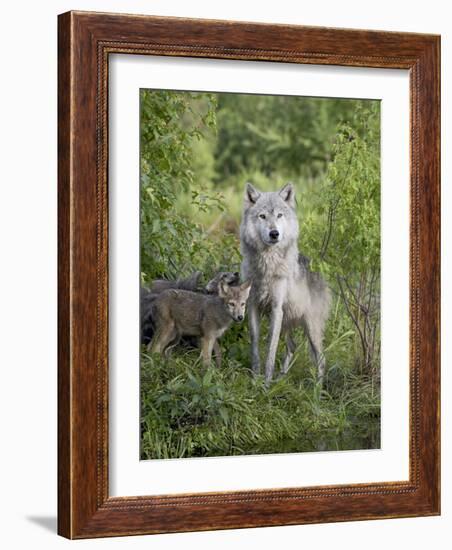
[274,271]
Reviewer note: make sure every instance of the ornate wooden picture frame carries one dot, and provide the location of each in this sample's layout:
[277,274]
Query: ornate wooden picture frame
[85,42]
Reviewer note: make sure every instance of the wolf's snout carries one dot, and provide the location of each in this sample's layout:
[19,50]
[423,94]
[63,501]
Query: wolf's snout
[274,234]
[239,317]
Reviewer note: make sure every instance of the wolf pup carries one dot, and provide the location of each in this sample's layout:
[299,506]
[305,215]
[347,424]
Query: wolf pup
[282,284]
[189,283]
[183,313]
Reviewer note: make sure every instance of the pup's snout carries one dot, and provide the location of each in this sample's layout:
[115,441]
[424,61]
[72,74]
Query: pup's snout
[274,234]
[239,317]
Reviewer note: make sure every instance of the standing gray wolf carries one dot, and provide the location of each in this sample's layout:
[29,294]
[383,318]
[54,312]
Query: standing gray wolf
[282,283]
[183,313]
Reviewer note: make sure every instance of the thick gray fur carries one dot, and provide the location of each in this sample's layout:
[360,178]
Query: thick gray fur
[230,278]
[283,286]
[178,313]
[189,283]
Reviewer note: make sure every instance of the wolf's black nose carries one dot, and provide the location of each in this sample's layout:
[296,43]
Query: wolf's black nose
[274,234]
[240,317]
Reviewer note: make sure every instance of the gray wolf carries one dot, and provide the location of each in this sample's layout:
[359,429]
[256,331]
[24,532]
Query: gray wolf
[189,283]
[184,313]
[283,286]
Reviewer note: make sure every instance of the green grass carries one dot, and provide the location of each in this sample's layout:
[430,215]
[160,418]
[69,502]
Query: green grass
[192,411]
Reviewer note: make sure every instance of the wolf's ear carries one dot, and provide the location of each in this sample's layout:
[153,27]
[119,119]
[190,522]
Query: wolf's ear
[251,195]
[223,289]
[287,193]
[246,287]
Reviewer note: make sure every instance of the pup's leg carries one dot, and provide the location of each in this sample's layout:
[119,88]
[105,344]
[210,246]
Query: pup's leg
[275,331]
[207,343]
[217,352]
[172,344]
[163,336]
[254,322]
[290,349]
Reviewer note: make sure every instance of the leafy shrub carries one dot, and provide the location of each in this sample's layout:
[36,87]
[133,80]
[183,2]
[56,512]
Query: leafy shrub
[342,228]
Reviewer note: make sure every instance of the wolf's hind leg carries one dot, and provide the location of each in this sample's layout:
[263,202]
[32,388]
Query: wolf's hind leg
[171,345]
[314,333]
[162,337]
[290,350]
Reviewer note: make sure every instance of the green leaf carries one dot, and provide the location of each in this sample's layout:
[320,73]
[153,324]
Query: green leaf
[224,414]
[207,378]
[156,226]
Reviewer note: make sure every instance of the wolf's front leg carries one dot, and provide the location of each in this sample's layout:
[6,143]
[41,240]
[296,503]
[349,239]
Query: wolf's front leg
[217,351]
[274,333]
[254,321]
[207,343]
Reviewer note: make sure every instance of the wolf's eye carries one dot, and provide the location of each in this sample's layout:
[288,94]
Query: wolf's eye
[231,304]
[262,216]
[280,215]
[243,304]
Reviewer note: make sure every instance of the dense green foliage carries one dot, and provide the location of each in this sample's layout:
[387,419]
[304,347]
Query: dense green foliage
[170,123]
[197,152]
[190,411]
[276,134]
[348,203]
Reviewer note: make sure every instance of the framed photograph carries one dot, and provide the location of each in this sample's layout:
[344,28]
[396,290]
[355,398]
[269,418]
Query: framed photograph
[248,275]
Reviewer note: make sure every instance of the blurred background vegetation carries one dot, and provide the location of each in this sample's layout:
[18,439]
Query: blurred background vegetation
[197,152]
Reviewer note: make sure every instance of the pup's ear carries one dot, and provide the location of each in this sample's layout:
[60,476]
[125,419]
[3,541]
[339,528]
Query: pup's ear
[287,193]
[245,288]
[223,289]
[251,195]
